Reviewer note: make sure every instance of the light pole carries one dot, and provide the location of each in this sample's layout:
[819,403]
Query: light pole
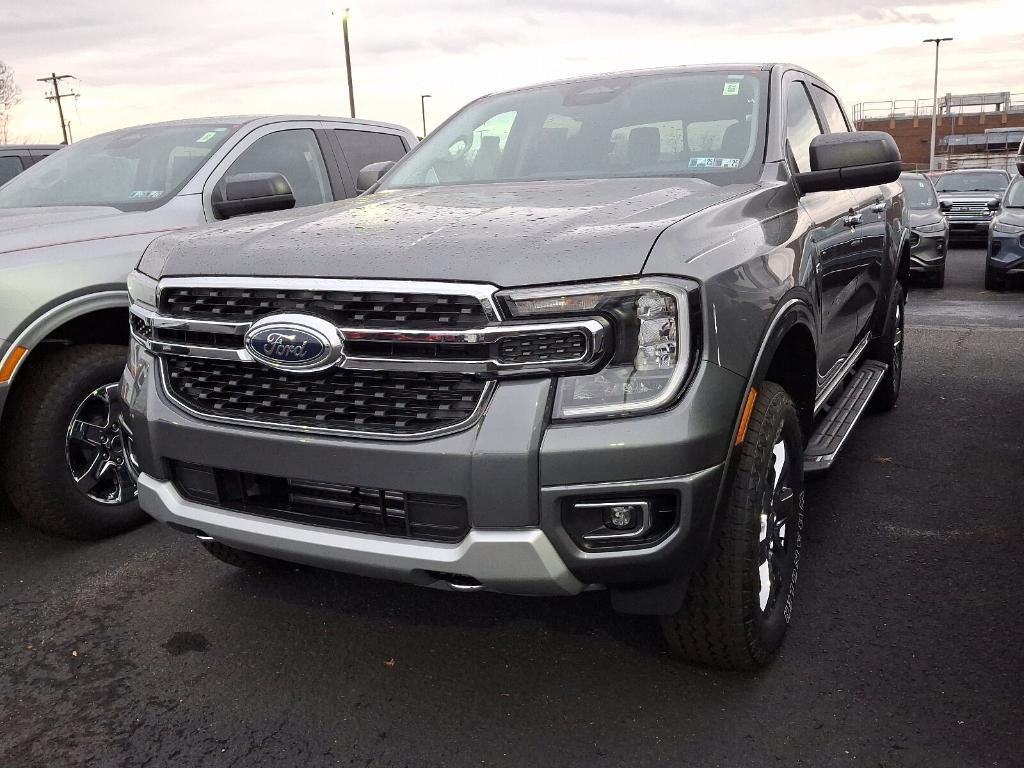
[935,95]
[423,111]
[348,63]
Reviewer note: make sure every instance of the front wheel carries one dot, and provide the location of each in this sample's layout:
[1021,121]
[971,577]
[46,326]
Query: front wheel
[68,468]
[993,282]
[740,601]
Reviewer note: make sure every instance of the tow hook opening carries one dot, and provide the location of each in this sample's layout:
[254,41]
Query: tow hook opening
[457,581]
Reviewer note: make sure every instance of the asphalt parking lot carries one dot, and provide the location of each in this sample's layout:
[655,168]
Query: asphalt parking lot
[905,649]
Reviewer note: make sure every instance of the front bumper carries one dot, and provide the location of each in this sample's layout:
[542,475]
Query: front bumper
[514,561]
[1006,253]
[928,254]
[515,472]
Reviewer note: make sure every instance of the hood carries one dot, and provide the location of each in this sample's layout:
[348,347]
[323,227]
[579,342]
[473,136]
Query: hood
[506,234]
[1014,216]
[925,216]
[25,228]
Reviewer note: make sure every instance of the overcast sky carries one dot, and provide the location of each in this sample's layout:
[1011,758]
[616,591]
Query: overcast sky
[139,62]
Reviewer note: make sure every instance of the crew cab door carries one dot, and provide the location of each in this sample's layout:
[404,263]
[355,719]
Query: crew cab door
[832,237]
[294,149]
[868,219]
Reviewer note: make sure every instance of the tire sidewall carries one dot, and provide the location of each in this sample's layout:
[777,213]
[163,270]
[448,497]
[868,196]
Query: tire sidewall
[769,628]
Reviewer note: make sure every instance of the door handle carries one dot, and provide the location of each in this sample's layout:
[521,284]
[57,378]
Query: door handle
[853,220]
[878,208]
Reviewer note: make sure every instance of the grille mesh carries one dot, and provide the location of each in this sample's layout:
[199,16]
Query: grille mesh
[387,402]
[543,347]
[345,308]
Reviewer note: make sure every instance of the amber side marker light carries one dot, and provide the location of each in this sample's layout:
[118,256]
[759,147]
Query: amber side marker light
[12,362]
[748,408]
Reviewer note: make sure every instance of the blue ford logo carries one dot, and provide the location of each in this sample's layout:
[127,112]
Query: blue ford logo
[292,342]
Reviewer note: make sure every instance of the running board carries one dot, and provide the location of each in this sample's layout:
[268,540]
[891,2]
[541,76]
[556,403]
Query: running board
[837,425]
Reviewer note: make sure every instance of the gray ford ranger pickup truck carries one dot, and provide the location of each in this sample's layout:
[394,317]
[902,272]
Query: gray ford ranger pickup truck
[588,334]
[73,226]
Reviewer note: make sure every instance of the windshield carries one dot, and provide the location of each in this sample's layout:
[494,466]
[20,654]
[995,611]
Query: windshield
[1015,194]
[975,181]
[920,194]
[132,169]
[700,124]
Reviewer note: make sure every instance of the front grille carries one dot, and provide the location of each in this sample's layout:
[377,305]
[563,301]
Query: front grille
[332,505]
[396,403]
[378,309]
[543,347]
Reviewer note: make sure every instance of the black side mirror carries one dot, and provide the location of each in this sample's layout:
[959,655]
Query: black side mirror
[850,161]
[1020,164]
[993,205]
[254,193]
[944,205]
[371,174]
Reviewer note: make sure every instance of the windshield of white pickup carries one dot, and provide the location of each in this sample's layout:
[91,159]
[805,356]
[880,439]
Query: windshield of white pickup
[134,169]
[700,124]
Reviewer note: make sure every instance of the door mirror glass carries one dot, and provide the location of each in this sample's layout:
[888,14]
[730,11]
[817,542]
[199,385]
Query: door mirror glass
[254,193]
[850,161]
[371,174]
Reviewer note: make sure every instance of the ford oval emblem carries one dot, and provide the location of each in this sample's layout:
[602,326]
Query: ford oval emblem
[292,342]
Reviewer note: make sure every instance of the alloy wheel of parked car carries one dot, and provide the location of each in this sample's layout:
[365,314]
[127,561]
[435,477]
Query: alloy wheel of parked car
[96,450]
[889,349]
[775,544]
[62,471]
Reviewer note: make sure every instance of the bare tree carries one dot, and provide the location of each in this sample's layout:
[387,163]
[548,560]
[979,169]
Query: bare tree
[10,97]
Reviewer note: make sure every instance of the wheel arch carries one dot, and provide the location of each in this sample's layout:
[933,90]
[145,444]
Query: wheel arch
[99,317]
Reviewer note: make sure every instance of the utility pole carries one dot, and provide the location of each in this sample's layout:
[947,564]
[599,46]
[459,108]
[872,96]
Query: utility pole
[935,95]
[423,111]
[348,63]
[54,79]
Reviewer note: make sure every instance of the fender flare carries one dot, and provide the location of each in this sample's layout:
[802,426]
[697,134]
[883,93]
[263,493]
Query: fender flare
[55,316]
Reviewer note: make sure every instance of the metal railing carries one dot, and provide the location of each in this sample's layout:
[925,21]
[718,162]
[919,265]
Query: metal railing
[960,105]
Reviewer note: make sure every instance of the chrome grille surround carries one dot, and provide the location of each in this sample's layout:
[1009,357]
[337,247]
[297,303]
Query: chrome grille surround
[479,352]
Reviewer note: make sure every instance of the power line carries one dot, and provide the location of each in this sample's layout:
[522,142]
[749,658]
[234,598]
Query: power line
[54,79]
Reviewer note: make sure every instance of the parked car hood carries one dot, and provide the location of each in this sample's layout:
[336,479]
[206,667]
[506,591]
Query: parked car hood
[506,234]
[1014,216]
[925,216]
[25,228]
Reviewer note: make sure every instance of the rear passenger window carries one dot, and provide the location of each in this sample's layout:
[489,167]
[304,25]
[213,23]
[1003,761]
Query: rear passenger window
[9,168]
[830,111]
[361,148]
[801,125]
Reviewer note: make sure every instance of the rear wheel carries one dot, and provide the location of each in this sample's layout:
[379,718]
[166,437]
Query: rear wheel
[69,470]
[739,602]
[888,349]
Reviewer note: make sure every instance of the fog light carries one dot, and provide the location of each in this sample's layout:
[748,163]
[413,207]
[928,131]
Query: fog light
[622,519]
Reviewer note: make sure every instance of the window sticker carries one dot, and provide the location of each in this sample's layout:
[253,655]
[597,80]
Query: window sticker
[714,162]
[210,135]
[731,88]
[145,194]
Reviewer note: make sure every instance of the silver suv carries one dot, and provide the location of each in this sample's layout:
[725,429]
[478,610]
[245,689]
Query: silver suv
[73,226]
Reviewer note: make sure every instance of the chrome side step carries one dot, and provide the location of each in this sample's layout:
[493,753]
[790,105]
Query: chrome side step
[835,428]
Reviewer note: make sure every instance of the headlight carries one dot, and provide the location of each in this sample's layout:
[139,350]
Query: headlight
[1007,229]
[651,330]
[142,289]
[930,229]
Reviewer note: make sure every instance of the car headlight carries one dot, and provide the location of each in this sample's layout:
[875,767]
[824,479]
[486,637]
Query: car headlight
[931,229]
[142,289]
[650,320]
[1007,229]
